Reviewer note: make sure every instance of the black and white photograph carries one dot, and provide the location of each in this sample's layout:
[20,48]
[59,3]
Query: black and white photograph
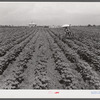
[50,45]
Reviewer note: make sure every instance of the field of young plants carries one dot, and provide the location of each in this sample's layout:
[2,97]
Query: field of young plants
[46,58]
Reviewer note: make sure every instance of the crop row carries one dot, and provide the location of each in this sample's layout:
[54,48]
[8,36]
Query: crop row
[41,80]
[14,80]
[14,35]
[69,77]
[11,55]
[90,37]
[84,52]
[7,47]
[90,47]
[7,36]
[88,75]
[87,43]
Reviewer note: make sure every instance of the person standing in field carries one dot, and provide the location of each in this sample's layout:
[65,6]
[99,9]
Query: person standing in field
[67,32]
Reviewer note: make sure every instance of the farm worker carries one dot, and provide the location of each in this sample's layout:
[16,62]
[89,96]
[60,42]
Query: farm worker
[67,32]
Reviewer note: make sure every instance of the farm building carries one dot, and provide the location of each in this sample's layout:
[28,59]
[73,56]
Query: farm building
[32,24]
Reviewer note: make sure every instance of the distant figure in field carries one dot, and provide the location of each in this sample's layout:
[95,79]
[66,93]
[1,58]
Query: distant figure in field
[67,31]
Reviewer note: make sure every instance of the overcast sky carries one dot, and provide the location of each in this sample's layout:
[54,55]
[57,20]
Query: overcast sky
[50,13]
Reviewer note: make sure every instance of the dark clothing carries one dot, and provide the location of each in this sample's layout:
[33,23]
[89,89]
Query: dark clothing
[68,33]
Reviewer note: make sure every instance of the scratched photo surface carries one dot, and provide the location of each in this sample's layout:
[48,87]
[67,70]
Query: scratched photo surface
[50,45]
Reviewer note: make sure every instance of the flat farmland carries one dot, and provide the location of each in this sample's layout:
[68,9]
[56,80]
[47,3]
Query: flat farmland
[47,58]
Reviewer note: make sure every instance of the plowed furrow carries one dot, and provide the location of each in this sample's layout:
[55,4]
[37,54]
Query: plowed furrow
[69,77]
[16,74]
[11,56]
[88,75]
[43,79]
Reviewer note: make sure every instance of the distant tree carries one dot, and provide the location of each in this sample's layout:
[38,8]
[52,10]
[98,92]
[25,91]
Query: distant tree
[89,25]
[94,25]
